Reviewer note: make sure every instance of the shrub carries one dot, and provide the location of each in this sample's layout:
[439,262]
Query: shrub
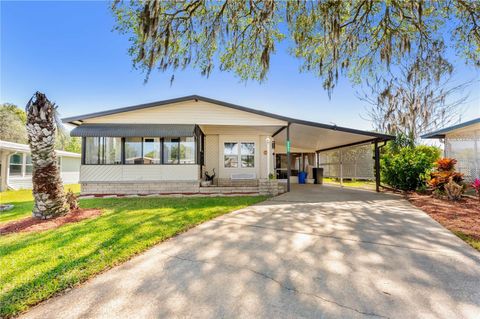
[445,164]
[445,172]
[72,200]
[407,168]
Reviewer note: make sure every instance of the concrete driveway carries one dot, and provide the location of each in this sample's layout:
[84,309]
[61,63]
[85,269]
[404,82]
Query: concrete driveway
[317,252]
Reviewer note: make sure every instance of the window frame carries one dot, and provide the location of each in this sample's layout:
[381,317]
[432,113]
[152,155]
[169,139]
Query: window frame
[239,154]
[198,153]
[21,164]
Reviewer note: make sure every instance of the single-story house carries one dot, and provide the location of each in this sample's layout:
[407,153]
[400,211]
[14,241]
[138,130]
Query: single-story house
[16,166]
[462,142]
[168,146]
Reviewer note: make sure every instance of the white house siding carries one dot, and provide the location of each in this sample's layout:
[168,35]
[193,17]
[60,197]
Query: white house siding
[136,173]
[69,173]
[189,112]
[70,177]
[211,153]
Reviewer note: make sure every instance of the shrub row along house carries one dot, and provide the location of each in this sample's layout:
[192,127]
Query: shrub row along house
[462,142]
[167,146]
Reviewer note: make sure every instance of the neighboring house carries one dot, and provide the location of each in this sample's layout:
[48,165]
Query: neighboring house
[167,146]
[16,166]
[462,142]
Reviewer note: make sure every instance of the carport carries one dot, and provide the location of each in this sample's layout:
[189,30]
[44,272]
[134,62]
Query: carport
[311,137]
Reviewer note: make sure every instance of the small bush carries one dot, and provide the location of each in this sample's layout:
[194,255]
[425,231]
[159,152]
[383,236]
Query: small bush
[72,200]
[407,168]
[445,164]
[445,172]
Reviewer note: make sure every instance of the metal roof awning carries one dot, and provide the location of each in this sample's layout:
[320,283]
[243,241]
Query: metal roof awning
[134,130]
[315,137]
[441,133]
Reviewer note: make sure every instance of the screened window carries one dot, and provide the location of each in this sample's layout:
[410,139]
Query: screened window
[248,154]
[16,163]
[187,150]
[142,150]
[171,150]
[133,150]
[230,155]
[112,150]
[28,164]
[92,150]
[151,150]
[102,150]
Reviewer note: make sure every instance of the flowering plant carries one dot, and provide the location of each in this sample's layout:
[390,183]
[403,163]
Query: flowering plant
[476,187]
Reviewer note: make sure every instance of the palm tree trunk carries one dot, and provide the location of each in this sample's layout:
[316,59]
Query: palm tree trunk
[48,193]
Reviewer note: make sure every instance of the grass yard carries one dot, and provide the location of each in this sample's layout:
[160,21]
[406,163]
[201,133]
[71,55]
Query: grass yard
[350,183]
[35,266]
[23,201]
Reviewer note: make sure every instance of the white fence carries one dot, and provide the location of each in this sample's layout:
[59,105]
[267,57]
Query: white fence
[354,162]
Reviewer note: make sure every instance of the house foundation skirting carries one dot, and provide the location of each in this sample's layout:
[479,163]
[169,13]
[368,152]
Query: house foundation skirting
[178,188]
[139,187]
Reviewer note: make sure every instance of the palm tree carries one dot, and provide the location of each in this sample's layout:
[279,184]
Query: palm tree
[42,124]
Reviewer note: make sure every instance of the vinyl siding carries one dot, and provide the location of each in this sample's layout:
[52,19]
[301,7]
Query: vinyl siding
[126,173]
[211,154]
[26,182]
[189,112]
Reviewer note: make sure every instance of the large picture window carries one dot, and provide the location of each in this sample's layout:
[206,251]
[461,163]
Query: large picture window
[142,150]
[133,150]
[151,150]
[92,150]
[112,150]
[103,150]
[170,150]
[187,150]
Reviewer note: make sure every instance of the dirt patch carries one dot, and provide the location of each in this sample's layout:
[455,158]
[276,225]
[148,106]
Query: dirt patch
[460,216]
[31,224]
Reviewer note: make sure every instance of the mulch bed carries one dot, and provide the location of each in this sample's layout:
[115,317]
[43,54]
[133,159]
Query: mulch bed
[31,224]
[457,216]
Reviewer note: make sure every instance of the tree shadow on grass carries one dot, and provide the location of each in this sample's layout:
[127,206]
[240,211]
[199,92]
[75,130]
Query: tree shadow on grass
[77,251]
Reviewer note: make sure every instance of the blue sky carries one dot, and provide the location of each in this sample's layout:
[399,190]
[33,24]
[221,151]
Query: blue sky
[69,51]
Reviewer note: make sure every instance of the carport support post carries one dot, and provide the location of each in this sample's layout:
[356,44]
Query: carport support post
[289,164]
[377,167]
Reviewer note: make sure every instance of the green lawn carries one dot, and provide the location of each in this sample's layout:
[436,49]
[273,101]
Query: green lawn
[472,241]
[350,183]
[35,266]
[23,201]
